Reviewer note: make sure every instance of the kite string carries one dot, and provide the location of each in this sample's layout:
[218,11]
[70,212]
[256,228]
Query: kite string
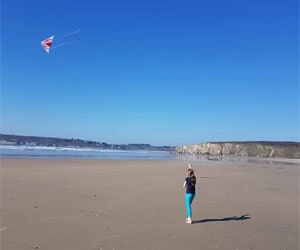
[147,131]
[62,44]
[70,34]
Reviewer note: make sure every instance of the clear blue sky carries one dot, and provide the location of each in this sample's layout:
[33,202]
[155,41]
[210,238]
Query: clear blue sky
[158,72]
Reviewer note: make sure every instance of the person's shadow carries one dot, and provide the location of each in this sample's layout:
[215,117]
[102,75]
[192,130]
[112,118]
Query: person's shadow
[242,217]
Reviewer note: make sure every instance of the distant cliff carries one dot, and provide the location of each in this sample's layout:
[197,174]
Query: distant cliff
[21,140]
[289,150]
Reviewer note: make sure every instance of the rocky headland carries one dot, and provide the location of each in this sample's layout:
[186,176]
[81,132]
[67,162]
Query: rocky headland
[290,150]
[34,141]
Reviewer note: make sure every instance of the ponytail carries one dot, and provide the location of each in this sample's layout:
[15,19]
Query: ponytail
[193,177]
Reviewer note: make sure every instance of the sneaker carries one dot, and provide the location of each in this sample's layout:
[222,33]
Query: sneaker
[188,221]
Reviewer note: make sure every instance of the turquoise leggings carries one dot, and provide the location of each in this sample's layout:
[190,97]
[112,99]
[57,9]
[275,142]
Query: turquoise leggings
[188,202]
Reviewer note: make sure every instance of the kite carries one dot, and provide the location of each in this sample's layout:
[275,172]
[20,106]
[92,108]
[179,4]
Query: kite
[48,42]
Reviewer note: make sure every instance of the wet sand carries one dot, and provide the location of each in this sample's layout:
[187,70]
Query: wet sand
[57,204]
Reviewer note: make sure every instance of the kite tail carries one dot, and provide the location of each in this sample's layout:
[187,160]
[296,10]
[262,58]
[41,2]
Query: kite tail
[69,34]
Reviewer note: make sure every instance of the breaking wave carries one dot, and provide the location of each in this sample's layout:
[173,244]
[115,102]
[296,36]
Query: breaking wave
[10,151]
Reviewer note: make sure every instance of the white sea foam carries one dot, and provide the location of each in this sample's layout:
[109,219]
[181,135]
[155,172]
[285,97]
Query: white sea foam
[27,151]
[44,148]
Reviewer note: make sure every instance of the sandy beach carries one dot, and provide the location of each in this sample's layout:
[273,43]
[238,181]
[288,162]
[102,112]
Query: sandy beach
[55,204]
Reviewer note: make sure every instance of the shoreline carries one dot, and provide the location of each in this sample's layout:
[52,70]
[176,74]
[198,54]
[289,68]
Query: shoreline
[182,158]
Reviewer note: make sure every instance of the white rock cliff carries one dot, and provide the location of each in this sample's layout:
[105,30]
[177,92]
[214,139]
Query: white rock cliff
[254,149]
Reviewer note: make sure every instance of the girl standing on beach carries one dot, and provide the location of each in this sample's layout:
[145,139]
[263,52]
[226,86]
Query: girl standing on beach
[190,185]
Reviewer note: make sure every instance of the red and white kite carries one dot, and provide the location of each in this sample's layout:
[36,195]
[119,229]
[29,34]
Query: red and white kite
[47,43]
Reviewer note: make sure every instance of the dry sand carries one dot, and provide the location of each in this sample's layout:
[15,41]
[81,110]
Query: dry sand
[101,204]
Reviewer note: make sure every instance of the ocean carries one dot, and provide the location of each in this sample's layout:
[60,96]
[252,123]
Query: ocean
[9,151]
